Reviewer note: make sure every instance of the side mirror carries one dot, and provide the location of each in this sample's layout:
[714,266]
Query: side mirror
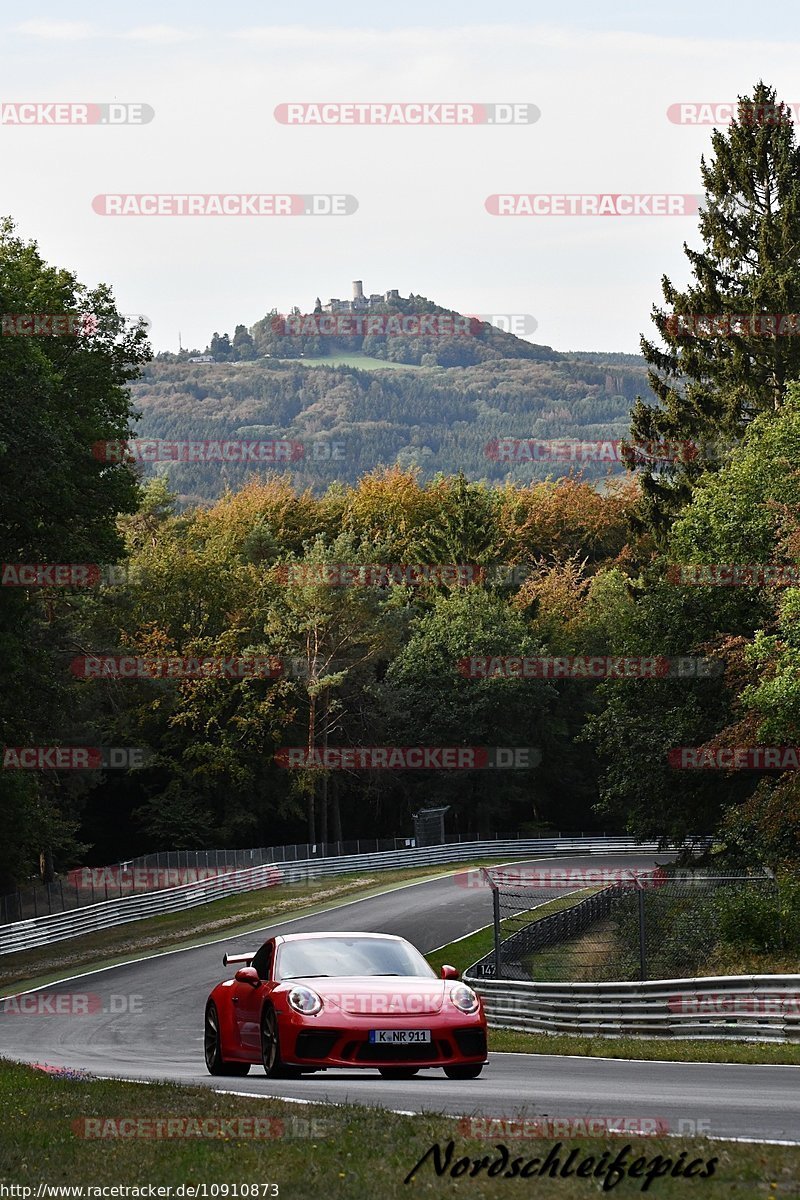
[247,975]
[449,972]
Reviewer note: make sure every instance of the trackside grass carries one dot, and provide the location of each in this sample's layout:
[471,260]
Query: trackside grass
[320,1150]
[664,1049]
[464,952]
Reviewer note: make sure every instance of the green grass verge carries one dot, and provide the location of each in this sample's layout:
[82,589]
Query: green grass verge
[667,1049]
[364,362]
[227,917]
[467,950]
[351,1153]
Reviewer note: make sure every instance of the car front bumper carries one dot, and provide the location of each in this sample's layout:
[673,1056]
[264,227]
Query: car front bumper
[342,1040]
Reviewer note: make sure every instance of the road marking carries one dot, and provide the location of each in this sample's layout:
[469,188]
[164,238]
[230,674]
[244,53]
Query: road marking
[677,1062]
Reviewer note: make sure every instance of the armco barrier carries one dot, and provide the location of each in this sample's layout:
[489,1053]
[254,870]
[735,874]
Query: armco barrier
[40,931]
[743,1007]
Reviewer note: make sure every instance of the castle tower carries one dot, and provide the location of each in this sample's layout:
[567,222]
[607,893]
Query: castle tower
[358,290]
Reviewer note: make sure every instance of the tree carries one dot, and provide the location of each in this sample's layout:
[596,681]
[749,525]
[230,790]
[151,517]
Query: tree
[220,347]
[429,701]
[243,346]
[712,380]
[59,397]
[744,513]
[337,633]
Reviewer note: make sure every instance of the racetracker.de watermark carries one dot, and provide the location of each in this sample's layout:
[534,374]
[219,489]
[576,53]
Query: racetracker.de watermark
[156,878]
[375,325]
[65,112]
[276,450]
[29,575]
[592,204]
[422,324]
[175,667]
[47,324]
[503,1128]
[70,1004]
[572,878]
[733,574]
[725,112]
[406,112]
[194,1128]
[729,325]
[74,758]
[615,450]
[224,204]
[734,758]
[408,758]
[376,574]
[760,1004]
[581,666]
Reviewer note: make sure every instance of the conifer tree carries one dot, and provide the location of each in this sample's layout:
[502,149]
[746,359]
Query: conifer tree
[716,375]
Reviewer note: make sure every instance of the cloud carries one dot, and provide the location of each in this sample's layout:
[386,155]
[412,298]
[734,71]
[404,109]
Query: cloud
[59,31]
[166,34]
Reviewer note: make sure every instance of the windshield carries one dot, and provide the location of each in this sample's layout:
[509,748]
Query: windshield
[349,956]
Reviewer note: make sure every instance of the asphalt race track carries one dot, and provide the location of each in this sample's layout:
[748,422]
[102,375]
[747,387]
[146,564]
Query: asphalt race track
[149,1024]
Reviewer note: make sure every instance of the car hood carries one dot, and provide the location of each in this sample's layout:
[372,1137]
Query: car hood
[376,995]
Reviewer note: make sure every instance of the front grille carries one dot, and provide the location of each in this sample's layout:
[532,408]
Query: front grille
[414,1052]
[315,1043]
[471,1042]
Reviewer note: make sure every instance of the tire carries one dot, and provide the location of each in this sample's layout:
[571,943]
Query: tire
[398,1072]
[274,1067]
[215,1063]
[463,1072]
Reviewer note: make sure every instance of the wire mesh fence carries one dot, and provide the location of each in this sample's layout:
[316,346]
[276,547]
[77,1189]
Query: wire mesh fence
[657,924]
[174,868]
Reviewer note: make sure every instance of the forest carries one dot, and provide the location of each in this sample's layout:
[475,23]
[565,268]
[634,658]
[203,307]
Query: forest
[273,617]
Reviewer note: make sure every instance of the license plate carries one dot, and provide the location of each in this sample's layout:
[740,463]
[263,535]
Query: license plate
[398,1037]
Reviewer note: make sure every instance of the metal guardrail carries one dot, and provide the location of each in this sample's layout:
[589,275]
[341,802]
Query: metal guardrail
[40,931]
[161,869]
[744,1007]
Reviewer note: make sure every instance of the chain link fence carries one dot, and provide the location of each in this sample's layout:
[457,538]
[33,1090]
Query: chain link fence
[174,868]
[617,924]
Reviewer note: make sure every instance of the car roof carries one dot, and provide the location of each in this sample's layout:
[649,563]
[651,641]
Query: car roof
[298,937]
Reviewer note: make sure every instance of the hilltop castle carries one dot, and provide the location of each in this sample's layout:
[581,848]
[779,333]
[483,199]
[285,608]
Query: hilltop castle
[360,302]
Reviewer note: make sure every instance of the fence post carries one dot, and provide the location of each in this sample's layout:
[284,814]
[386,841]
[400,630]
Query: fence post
[642,944]
[496,921]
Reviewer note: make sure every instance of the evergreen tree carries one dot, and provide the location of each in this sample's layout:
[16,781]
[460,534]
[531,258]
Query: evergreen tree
[220,347]
[715,376]
[243,344]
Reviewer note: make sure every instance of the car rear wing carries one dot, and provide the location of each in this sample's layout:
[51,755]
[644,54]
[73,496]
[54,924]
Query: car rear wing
[237,958]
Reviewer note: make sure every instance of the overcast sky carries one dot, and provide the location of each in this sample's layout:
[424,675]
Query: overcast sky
[603,77]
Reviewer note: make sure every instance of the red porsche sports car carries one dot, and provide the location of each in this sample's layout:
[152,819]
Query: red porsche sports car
[307,1001]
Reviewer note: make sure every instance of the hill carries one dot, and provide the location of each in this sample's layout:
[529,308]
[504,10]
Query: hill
[344,419]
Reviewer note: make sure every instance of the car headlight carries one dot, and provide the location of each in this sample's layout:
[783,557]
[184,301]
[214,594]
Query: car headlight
[304,1000]
[464,998]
